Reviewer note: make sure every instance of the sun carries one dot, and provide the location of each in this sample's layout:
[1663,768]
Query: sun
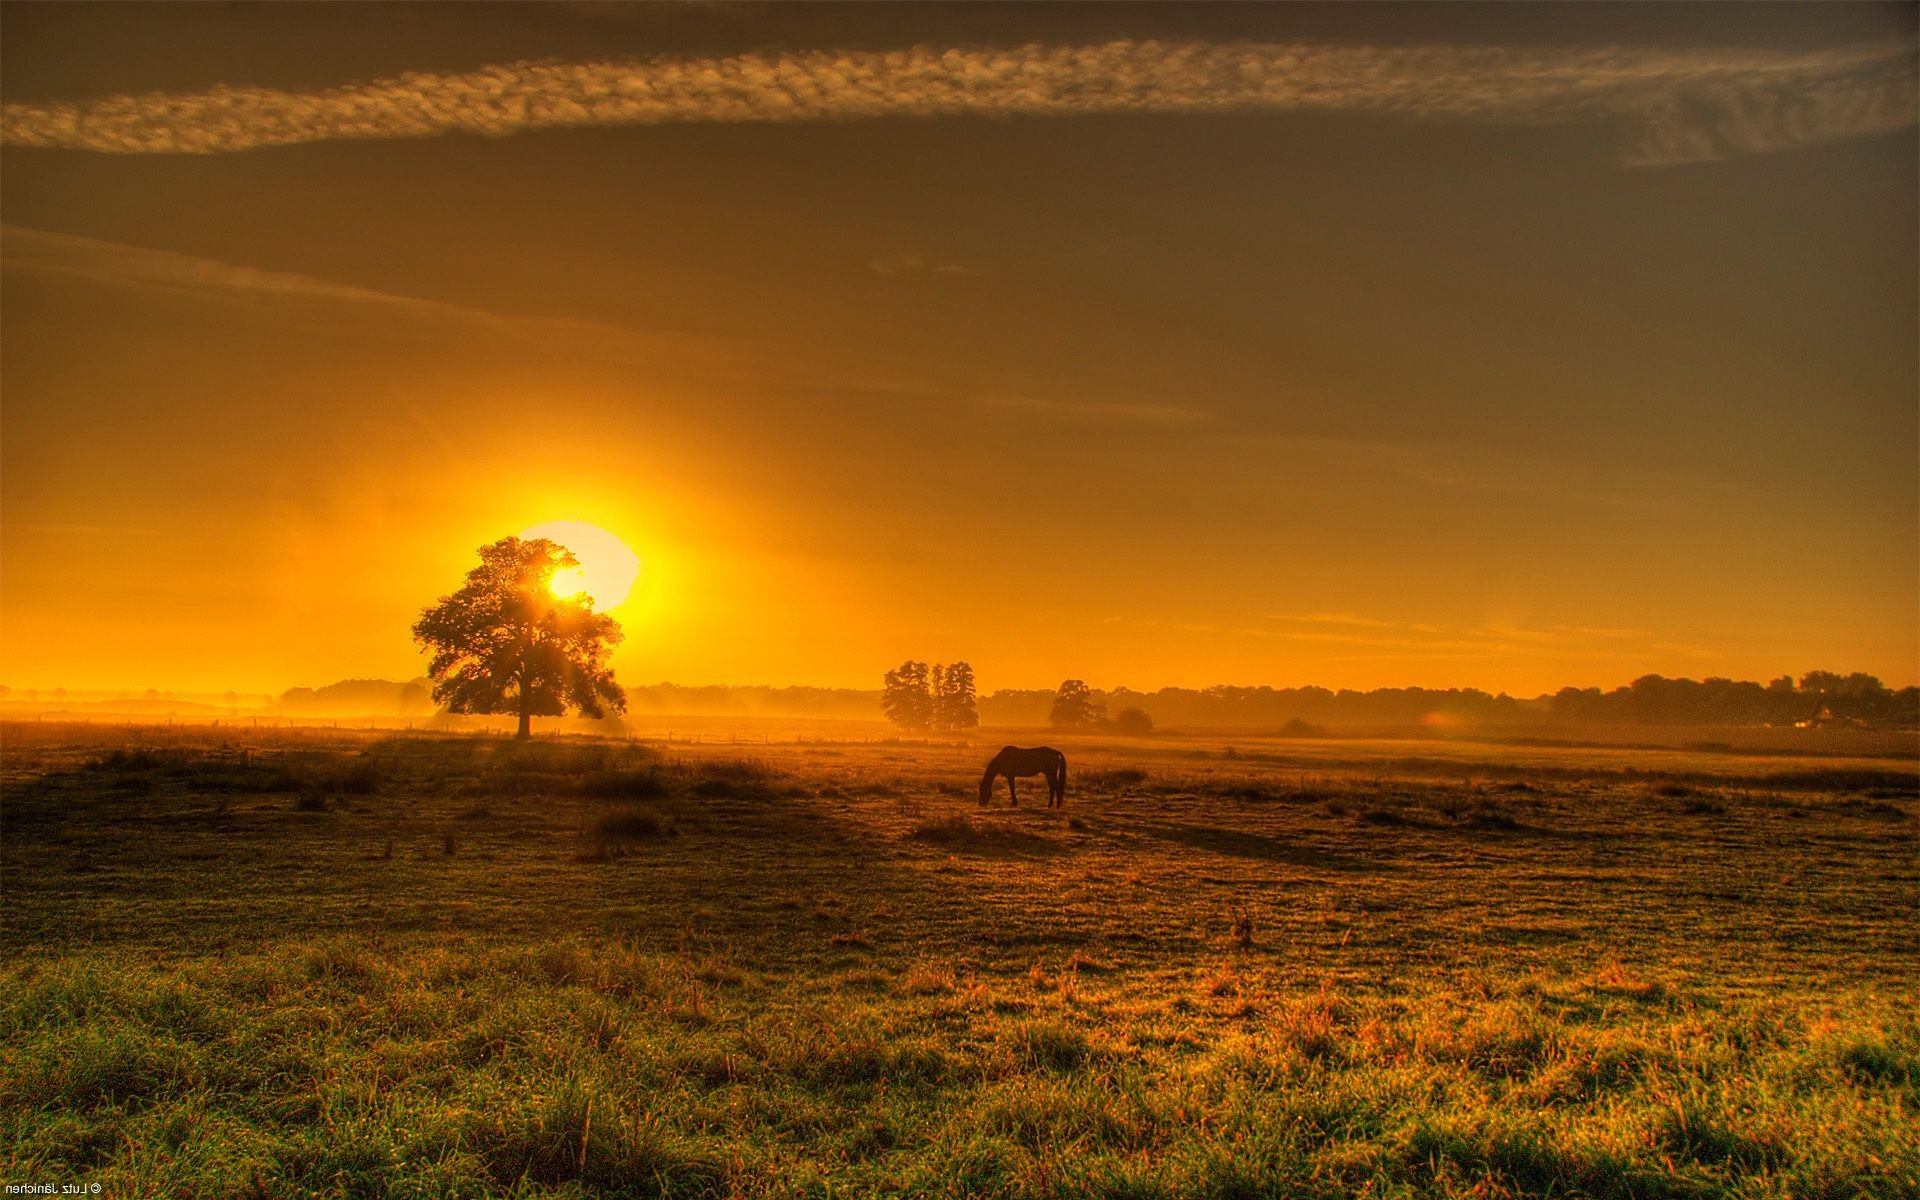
[607,569]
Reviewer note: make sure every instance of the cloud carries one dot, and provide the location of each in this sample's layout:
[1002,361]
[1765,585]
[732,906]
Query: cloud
[1685,105]
[1123,412]
[117,264]
[1493,637]
[673,355]
[908,262]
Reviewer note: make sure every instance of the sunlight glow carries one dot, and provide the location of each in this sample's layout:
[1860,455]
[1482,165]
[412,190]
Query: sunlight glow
[568,582]
[607,570]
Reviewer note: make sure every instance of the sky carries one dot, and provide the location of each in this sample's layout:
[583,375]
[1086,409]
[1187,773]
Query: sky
[1369,345]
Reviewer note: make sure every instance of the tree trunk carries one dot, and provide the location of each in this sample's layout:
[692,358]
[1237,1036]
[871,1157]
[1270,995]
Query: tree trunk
[526,695]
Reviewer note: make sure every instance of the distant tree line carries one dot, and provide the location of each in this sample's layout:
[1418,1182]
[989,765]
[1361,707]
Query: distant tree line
[930,699]
[911,700]
[1816,698]
[355,697]
[1226,706]
[1821,697]
[941,699]
[1078,707]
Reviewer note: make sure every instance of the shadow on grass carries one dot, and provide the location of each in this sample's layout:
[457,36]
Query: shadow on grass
[1239,844]
[989,839]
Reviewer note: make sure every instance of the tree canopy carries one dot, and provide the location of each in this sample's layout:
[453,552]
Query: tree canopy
[1076,707]
[939,698]
[505,643]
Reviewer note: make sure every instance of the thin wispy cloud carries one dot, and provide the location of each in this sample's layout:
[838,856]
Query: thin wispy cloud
[1121,412]
[1680,105]
[117,264]
[1493,637]
[908,262]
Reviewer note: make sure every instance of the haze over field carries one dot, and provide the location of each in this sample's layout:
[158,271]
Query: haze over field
[1449,346]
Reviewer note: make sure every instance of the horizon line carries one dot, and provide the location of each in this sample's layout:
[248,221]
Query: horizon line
[137,693]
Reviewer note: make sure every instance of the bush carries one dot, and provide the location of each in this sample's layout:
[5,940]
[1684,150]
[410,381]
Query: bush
[1133,722]
[634,823]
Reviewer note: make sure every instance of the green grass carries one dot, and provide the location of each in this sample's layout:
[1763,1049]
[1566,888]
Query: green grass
[827,971]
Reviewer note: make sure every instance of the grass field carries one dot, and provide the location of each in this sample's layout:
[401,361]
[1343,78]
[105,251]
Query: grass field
[337,964]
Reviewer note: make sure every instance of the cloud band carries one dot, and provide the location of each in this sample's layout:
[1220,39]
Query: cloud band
[1687,104]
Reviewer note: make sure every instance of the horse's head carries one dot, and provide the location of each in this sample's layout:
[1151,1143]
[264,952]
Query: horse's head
[986,786]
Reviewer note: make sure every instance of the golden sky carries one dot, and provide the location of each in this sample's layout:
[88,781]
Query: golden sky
[1502,346]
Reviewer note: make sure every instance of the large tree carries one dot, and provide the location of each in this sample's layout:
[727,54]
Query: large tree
[907,696]
[955,707]
[1076,707]
[505,643]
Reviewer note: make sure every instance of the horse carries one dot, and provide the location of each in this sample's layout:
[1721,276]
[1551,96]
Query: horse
[1041,760]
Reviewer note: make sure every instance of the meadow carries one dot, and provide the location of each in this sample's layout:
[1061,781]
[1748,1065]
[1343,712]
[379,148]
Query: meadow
[338,963]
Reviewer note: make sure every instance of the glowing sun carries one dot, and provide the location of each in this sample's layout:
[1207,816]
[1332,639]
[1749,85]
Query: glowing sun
[607,567]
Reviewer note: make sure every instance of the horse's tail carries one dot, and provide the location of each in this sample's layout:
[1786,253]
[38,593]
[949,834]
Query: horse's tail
[1063,776]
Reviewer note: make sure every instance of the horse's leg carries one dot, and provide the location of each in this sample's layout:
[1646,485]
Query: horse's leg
[1012,794]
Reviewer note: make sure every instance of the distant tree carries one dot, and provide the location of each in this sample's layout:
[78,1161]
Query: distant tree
[955,707]
[1821,683]
[1859,683]
[907,696]
[1134,722]
[920,698]
[505,643]
[1781,686]
[415,697]
[1074,707]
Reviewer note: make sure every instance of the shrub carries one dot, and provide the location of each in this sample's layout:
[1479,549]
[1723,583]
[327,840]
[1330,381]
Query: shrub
[137,759]
[634,823]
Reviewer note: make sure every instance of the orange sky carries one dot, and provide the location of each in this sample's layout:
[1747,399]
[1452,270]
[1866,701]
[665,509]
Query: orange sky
[1213,377]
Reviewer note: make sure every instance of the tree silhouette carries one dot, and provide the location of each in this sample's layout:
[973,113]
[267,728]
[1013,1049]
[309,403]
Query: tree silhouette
[954,704]
[907,697]
[920,698]
[1133,722]
[505,643]
[1075,708]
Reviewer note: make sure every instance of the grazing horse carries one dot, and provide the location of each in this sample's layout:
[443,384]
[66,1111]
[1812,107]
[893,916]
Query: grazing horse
[1041,760]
